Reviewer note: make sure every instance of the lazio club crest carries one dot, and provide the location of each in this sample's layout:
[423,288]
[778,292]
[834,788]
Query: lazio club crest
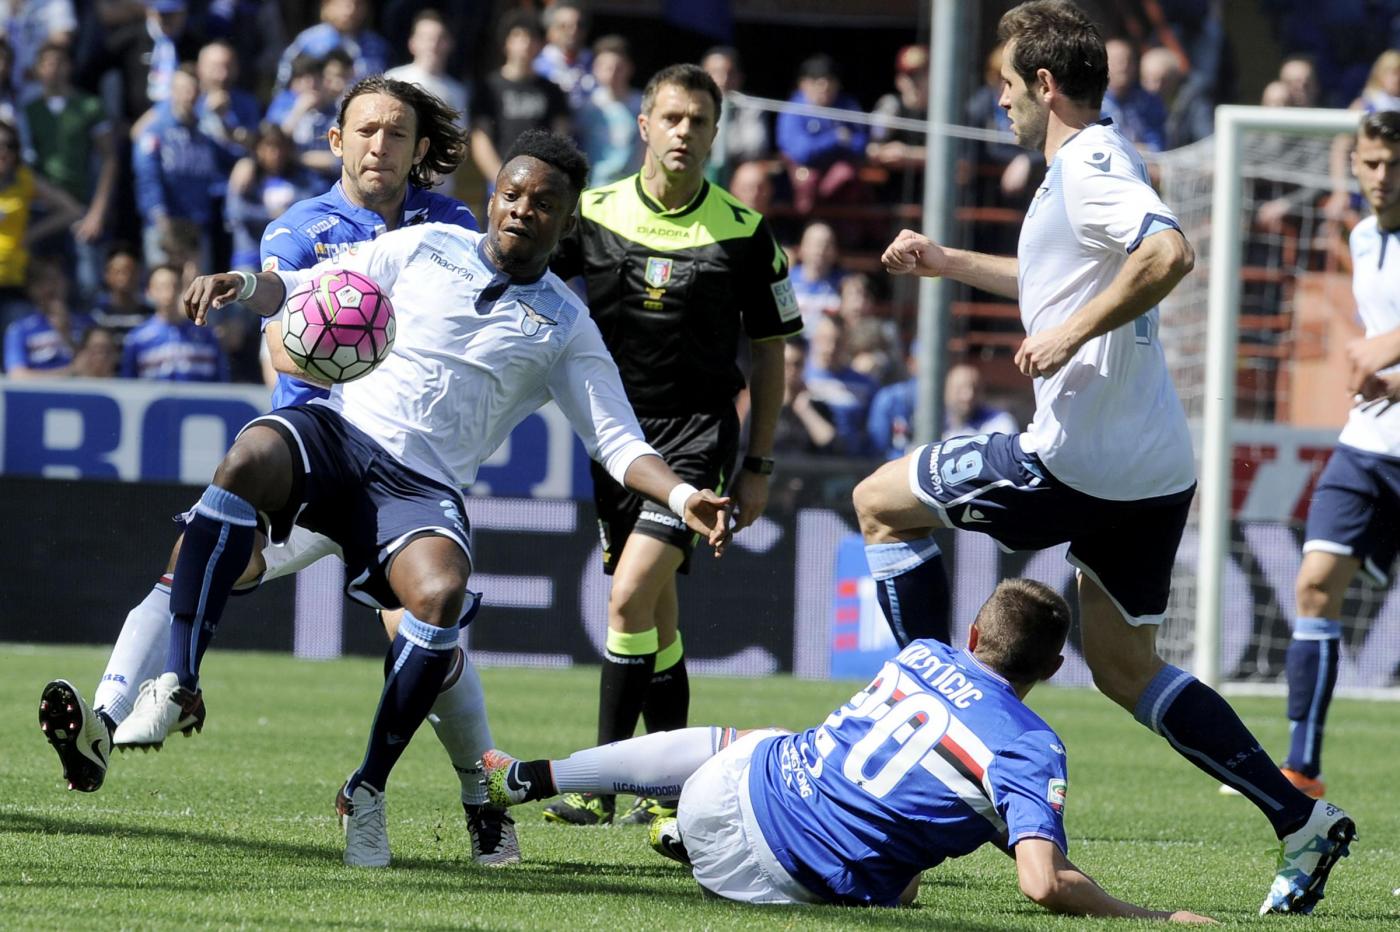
[658,272]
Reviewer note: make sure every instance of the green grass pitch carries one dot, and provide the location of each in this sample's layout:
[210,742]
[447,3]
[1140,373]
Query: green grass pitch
[234,827]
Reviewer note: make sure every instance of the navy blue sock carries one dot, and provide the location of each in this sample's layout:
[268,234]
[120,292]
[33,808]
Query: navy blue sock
[912,588]
[218,542]
[418,661]
[1203,728]
[1311,665]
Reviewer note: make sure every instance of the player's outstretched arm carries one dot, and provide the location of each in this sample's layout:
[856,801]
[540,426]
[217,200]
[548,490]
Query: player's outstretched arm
[915,254]
[1047,877]
[263,293]
[1149,275]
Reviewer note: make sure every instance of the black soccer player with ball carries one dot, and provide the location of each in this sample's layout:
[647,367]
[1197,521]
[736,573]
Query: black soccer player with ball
[377,465]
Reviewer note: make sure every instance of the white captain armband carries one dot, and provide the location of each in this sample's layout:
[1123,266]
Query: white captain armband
[250,285]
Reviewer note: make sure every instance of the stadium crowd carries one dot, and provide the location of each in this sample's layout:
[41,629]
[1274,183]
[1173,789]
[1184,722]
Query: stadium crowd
[143,142]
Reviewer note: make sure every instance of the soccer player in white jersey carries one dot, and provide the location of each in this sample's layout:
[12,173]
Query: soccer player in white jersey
[485,336]
[1106,464]
[938,756]
[1354,518]
[394,139]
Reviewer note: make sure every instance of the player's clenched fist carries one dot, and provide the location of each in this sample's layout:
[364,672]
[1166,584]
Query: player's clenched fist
[1369,356]
[1046,352]
[913,253]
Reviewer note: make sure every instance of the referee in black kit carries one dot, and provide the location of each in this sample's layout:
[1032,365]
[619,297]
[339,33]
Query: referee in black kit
[677,271]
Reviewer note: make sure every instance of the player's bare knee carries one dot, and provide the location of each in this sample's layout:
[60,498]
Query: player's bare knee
[1121,676]
[1310,592]
[631,612]
[437,599]
[869,500]
[257,469]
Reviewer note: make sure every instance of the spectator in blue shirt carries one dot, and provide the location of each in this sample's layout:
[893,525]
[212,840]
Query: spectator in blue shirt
[566,59]
[42,344]
[816,281]
[97,356]
[1139,114]
[607,123]
[170,346]
[261,187]
[966,413]
[177,168]
[823,154]
[845,392]
[121,306]
[315,111]
[341,27]
[227,114]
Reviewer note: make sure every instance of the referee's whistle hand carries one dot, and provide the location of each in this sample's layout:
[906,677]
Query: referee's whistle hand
[708,514]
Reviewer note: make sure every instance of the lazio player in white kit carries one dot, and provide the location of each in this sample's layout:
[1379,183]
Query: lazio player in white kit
[1354,517]
[1106,464]
[486,335]
[938,756]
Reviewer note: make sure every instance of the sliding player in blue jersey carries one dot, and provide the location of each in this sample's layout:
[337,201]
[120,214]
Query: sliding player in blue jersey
[393,139]
[938,756]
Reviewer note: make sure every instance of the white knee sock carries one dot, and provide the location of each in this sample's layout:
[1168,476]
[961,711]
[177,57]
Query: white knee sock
[652,765]
[138,655]
[459,718]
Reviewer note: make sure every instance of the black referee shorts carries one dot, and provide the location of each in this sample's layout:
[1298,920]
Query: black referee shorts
[700,448]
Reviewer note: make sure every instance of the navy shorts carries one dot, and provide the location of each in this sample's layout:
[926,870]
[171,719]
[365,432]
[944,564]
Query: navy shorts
[1355,511]
[352,490]
[699,448]
[988,484]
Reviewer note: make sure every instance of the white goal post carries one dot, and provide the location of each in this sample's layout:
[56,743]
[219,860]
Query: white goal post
[1222,336]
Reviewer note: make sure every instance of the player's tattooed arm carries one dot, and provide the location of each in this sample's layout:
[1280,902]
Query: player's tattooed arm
[1047,877]
[214,291]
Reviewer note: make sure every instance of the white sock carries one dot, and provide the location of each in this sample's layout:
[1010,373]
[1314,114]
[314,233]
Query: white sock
[652,765]
[459,718]
[138,655]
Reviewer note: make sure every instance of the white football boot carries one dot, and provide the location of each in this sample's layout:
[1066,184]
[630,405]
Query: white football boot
[366,826]
[77,733]
[162,706]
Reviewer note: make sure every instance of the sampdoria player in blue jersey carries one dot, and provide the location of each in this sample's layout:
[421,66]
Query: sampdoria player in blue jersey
[937,757]
[393,139]
[1106,464]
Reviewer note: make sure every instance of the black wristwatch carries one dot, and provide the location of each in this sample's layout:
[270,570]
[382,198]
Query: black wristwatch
[759,464]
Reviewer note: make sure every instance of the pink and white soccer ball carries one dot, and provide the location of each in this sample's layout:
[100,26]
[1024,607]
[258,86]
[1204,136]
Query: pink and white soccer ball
[338,326]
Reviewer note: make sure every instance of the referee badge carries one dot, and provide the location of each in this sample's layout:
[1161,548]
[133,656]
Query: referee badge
[658,273]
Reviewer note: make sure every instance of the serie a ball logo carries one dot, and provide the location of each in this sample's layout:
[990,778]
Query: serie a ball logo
[339,326]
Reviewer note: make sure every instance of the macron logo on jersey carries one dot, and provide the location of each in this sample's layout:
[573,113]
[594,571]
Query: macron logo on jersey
[1100,160]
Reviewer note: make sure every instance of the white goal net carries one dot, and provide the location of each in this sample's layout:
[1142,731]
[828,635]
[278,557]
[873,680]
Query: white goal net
[1266,396]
